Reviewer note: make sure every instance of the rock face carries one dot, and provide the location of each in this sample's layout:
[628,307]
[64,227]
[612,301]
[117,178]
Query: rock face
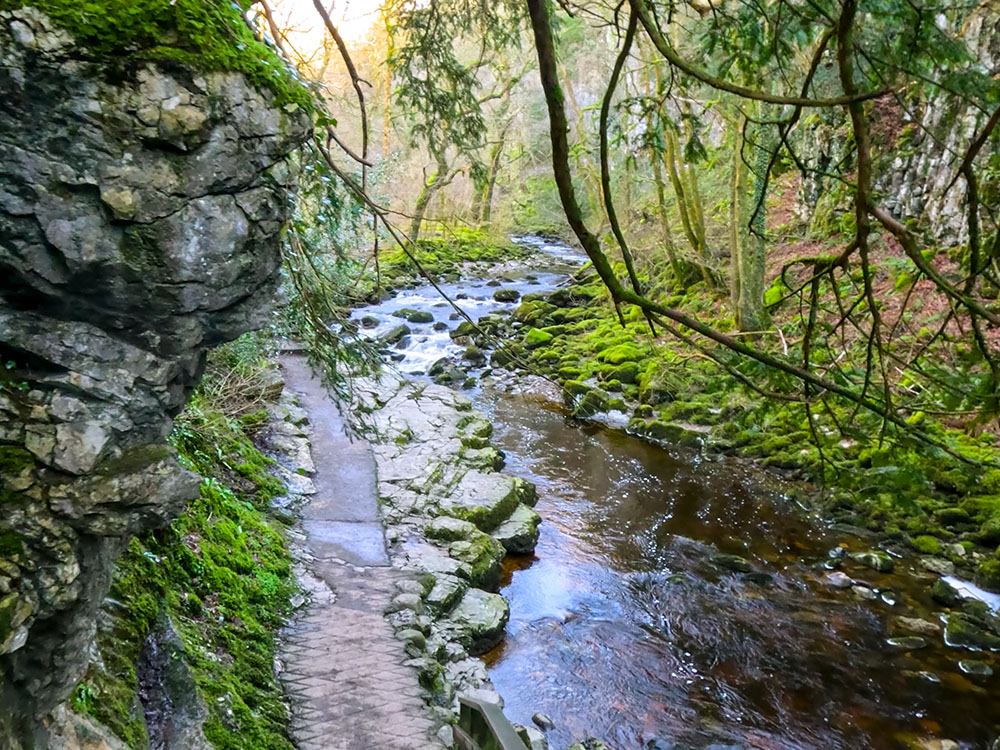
[139,226]
[927,144]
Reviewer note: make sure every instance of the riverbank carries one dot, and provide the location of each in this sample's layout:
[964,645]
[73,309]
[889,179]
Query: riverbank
[451,517]
[913,496]
[652,557]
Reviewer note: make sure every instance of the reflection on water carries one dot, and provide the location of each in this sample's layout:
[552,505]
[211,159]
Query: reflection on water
[623,626]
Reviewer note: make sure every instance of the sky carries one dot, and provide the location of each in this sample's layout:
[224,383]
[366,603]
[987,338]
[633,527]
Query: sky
[353,19]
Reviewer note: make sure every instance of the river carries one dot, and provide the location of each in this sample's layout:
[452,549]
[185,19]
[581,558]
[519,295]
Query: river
[629,623]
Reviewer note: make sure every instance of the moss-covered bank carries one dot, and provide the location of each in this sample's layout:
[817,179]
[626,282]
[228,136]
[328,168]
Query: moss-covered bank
[909,492]
[222,575]
[444,257]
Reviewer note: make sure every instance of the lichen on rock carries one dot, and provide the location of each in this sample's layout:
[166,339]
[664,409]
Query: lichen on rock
[139,227]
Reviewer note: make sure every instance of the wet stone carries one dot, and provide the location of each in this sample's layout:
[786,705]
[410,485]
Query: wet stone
[917,625]
[732,563]
[839,580]
[908,642]
[542,721]
[876,560]
[946,594]
[975,668]
[960,632]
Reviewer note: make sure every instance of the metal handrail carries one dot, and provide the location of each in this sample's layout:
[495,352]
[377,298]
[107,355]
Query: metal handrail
[483,726]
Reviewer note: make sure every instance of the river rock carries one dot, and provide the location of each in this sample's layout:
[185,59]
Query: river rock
[413,316]
[474,356]
[733,563]
[395,334]
[975,667]
[535,337]
[446,592]
[506,295]
[960,632]
[369,321]
[908,642]
[487,500]
[938,565]
[917,625]
[542,721]
[876,560]
[864,593]
[519,533]
[478,621]
[465,328]
[839,580]
[450,529]
[483,554]
[946,594]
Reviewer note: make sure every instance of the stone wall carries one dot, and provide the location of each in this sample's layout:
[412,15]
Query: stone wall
[140,215]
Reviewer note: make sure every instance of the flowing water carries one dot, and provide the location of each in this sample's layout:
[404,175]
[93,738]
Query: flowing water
[627,624]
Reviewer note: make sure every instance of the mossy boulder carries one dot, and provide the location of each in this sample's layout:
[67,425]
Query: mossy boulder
[465,328]
[477,621]
[944,593]
[594,402]
[483,554]
[506,295]
[449,529]
[653,389]
[876,560]
[669,432]
[952,516]
[486,500]
[627,372]
[413,316]
[531,312]
[929,545]
[395,334]
[536,337]
[519,533]
[961,632]
[616,355]
[507,355]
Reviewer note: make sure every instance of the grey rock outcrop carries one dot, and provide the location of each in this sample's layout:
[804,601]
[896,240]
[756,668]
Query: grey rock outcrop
[139,227]
[914,174]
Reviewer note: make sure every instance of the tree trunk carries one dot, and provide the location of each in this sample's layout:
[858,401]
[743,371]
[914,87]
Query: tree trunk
[751,315]
[487,203]
[688,216]
[737,217]
[427,192]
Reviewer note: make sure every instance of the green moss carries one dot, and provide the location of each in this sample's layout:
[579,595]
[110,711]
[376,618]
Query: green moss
[208,35]
[444,255]
[535,338]
[222,573]
[927,544]
[11,544]
[14,460]
[627,352]
[483,554]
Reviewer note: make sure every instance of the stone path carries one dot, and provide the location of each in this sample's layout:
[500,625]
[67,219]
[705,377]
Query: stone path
[345,672]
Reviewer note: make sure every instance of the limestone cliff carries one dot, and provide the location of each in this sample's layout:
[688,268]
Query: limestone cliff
[140,214]
[919,143]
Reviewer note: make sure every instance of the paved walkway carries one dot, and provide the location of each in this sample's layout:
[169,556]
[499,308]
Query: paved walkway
[344,669]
